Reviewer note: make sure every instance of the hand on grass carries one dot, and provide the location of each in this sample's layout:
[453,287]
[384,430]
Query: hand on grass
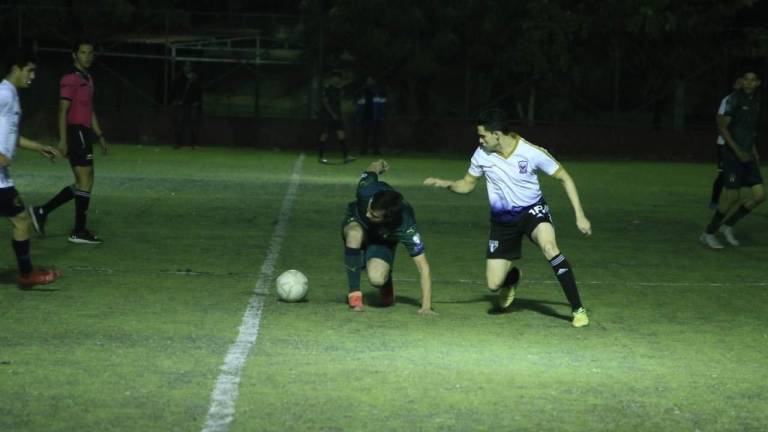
[427,311]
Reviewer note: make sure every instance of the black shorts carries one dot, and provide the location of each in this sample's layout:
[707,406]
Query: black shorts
[720,156]
[330,125]
[737,174]
[10,202]
[80,141]
[505,239]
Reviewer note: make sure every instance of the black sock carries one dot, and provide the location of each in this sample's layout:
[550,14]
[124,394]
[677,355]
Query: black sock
[63,197]
[353,263]
[21,248]
[320,149]
[82,200]
[736,216]
[387,284]
[564,274]
[714,224]
[717,187]
[513,275]
[344,151]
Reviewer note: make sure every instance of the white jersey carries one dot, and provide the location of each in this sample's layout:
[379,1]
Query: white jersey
[721,111]
[512,182]
[10,114]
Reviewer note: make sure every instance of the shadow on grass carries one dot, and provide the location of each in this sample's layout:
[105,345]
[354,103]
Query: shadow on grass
[520,304]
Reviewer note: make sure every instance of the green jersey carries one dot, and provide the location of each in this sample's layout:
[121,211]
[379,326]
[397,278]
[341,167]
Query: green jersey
[404,231]
[744,112]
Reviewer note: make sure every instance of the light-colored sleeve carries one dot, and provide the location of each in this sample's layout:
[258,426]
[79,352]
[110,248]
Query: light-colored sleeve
[475,166]
[723,105]
[545,162]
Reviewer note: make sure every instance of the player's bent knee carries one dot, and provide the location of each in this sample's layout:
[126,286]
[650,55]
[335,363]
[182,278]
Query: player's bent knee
[378,278]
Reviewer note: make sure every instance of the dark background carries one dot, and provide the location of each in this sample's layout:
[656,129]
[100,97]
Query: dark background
[627,79]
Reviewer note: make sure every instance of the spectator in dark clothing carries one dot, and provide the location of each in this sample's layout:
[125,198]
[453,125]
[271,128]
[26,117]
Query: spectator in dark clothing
[186,98]
[331,120]
[370,113]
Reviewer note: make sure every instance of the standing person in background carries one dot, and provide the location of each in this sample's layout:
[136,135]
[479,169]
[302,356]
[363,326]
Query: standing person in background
[331,120]
[717,185]
[370,113]
[21,72]
[743,182]
[79,129]
[187,101]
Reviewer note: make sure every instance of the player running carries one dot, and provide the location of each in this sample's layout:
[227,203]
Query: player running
[510,165]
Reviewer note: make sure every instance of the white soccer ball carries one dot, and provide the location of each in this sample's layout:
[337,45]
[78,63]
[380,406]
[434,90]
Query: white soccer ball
[292,286]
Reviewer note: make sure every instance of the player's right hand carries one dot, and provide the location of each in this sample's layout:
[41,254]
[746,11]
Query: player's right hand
[743,156]
[436,182]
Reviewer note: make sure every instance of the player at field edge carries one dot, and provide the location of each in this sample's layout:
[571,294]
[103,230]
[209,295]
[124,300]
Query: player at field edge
[21,66]
[79,128]
[510,165]
[742,181]
[373,225]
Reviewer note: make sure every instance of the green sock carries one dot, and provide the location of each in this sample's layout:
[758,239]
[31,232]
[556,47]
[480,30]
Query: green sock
[353,263]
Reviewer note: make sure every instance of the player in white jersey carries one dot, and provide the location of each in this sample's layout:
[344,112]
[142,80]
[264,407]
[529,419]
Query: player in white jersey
[21,67]
[510,165]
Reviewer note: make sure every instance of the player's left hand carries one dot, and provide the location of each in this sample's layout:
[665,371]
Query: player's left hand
[584,225]
[427,311]
[50,152]
[103,142]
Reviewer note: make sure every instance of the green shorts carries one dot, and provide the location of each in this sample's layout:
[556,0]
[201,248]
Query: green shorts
[371,249]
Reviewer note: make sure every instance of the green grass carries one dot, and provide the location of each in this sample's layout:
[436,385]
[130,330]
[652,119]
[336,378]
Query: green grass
[133,335]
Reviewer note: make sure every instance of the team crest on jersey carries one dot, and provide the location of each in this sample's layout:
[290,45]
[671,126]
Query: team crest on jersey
[523,166]
[493,245]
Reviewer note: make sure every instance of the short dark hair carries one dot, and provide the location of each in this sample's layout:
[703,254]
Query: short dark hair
[79,42]
[19,57]
[390,203]
[494,120]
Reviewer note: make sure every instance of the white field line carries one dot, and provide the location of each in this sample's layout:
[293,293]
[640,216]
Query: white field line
[224,396]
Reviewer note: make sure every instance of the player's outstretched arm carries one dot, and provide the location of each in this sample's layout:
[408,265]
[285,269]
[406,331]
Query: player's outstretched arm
[573,195]
[425,279]
[45,150]
[462,186]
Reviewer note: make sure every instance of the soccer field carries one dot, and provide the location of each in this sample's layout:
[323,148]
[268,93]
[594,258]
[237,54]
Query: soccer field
[139,331]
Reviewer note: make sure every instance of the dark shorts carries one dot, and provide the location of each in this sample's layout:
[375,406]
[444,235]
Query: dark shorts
[329,126]
[505,239]
[737,174]
[80,141]
[720,156]
[372,247]
[10,202]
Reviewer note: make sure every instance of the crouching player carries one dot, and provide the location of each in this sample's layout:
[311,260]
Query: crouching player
[373,225]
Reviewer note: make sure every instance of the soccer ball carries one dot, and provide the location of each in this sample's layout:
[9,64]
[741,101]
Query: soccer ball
[292,286]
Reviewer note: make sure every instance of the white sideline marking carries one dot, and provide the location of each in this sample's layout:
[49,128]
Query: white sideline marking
[222,409]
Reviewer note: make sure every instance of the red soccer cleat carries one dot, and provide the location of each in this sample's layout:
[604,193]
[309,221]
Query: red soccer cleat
[38,277]
[355,301]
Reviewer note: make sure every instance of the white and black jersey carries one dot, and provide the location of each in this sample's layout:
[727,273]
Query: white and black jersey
[512,182]
[10,114]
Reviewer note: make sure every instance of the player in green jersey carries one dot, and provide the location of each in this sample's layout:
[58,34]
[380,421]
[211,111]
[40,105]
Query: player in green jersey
[743,183]
[373,225]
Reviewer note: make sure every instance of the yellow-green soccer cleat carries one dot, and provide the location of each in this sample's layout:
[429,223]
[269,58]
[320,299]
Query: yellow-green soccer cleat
[507,292]
[580,318]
